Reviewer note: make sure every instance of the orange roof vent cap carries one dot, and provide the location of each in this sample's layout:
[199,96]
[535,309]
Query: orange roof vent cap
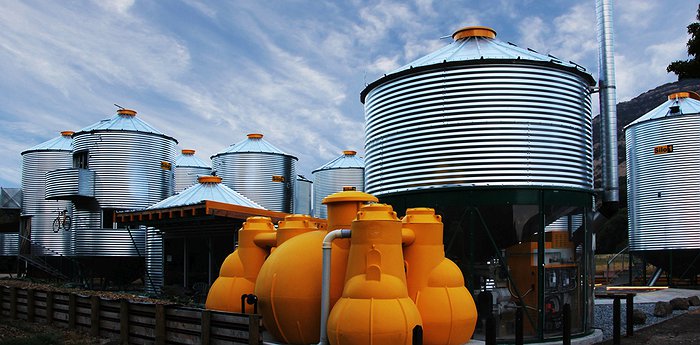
[128,112]
[187,152]
[255,136]
[474,31]
[209,179]
[349,152]
[684,94]
[67,133]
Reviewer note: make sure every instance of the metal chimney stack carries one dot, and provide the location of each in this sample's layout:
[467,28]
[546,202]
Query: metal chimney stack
[608,103]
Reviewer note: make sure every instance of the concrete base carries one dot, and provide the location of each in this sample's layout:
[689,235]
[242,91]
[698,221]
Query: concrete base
[593,338]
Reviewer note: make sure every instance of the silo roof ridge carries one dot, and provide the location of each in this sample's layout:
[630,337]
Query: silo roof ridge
[60,143]
[206,191]
[123,123]
[255,145]
[186,160]
[343,162]
[686,106]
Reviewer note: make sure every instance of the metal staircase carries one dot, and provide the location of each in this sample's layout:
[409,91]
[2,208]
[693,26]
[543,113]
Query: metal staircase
[41,261]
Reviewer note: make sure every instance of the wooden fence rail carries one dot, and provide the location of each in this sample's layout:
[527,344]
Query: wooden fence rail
[128,321]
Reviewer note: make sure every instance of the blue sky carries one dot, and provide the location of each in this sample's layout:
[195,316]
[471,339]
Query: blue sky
[209,72]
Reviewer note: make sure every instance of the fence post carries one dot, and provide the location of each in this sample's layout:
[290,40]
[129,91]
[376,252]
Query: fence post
[254,329]
[160,324]
[94,316]
[519,326]
[49,307]
[630,314]
[616,320]
[566,320]
[490,330]
[124,322]
[72,306]
[2,300]
[205,327]
[13,302]
[30,305]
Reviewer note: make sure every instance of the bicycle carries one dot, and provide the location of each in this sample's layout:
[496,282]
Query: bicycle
[63,221]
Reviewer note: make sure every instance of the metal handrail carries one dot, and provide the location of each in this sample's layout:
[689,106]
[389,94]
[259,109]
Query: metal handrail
[34,244]
[611,260]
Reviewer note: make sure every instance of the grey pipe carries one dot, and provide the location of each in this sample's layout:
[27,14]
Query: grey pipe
[608,101]
[326,280]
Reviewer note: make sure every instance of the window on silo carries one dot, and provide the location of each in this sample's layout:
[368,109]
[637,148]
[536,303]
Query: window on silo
[80,159]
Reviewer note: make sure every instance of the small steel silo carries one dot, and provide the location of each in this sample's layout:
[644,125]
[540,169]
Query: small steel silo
[498,139]
[663,184]
[36,162]
[345,170]
[187,168]
[302,195]
[260,171]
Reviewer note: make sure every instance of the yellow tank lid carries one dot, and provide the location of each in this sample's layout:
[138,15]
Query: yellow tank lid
[67,133]
[421,215]
[474,31]
[377,212]
[351,195]
[684,94]
[187,152]
[258,223]
[209,179]
[128,112]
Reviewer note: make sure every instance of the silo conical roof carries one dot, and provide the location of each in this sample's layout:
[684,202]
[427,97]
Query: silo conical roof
[188,159]
[253,143]
[124,120]
[208,188]
[347,160]
[678,104]
[64,142]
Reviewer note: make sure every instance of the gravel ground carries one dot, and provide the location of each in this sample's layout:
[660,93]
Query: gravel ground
[603,314]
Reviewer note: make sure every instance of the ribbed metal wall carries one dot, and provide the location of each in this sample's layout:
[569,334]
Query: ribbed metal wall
[329,181]
[35,165]
[9,244]
[68,183]
[186,176]
[251,174]
[302,196]
[154,261]
[127,166]
[664,189]
[480,124]
[110,242]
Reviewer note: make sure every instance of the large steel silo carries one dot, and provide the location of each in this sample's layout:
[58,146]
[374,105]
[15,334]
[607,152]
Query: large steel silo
[36,162]
[345,170]
[498,139]
[260,171]
[187,168]
[131,164]
[302,195]
[663,184]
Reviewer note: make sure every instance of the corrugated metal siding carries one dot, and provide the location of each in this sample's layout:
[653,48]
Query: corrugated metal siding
[110,242]
[127,166]
[664,189]
[35,165]
[187,176]
[329,181]
[9,244]
[302,196]
[72,182]
[484,124]
[154,261]
[251,175]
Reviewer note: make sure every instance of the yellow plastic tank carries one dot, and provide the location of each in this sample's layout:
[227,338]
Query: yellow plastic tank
[240,269]
[375,307]
[435,283]
[289,284]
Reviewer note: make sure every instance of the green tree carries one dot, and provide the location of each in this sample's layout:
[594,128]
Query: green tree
[689,68]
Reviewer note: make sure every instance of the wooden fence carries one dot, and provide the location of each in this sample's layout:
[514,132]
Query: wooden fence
[130,322]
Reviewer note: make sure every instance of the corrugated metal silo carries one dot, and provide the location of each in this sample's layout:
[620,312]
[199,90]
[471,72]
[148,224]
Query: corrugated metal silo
[663,184]
[302,195]
[187,168]
[498,140]
[260,171]
[345,170]
[36,162]
[131,162]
